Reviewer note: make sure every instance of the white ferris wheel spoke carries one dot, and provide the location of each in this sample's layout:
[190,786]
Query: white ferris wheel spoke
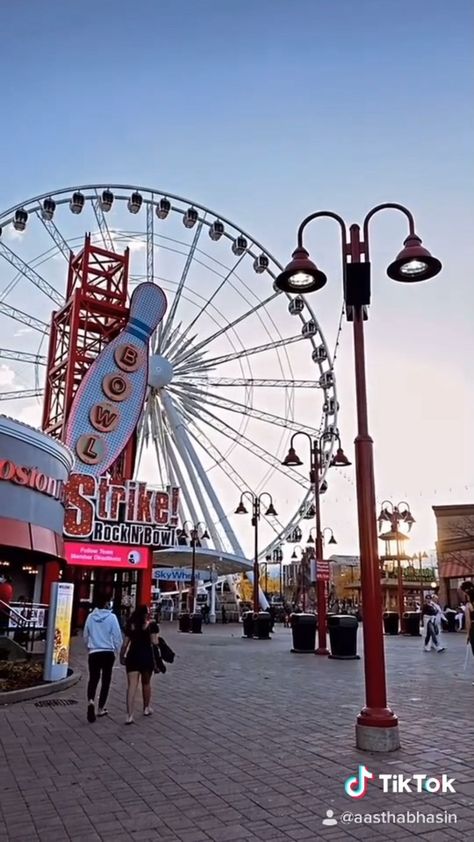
[143,432]
[55,235]
[206,342]
[190,458]
[161,439]
[245,352]
[179,440]
[183,485]
[30,273]
[202,380]
[208,418]
[150,245]
[102,223]
[21,394]
[204,397]
[209,301]
[223,463]
[178,343]
[22,356]
[169,322]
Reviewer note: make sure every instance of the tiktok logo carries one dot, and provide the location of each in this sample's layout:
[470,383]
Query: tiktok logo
[356,786]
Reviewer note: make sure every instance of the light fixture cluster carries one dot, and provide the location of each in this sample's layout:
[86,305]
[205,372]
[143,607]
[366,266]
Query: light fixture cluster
[412,263]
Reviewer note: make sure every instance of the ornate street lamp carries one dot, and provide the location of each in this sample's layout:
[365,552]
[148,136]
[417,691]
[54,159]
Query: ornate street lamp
[195,533]
[256,501]
[395,515]
[339,460]
[377,725]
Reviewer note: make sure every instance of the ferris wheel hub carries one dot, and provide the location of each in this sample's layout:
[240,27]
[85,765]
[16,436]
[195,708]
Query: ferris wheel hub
[160,373]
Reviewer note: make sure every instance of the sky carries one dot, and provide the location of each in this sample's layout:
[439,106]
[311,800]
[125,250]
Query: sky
[266,111]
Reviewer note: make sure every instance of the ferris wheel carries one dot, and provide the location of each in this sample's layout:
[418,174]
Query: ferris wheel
[235,368]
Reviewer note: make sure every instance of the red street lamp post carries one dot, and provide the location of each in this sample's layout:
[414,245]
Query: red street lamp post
[339,460]
[256,501]
[377,725]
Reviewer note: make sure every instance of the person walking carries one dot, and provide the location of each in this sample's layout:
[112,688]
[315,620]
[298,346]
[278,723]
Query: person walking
[469,618]
[431,612]
[103,638]
[139,656]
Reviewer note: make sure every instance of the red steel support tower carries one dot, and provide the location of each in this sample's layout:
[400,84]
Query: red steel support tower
[94,313]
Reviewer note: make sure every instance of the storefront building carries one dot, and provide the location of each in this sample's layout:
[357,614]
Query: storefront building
[455,549]
[34,469]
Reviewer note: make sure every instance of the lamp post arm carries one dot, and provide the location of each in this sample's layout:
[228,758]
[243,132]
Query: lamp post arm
[249,494]
[262,495]
[386,206]
[300,433]
[318,215]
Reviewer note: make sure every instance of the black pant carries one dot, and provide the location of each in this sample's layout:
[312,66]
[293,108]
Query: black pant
[431,632]
[100,666]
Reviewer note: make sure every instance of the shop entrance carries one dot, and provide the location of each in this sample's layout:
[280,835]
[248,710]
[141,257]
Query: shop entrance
[119,586]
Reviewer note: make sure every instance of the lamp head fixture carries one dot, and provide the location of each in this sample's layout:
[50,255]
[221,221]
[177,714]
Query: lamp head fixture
[241,510]
[301,274]
[340,460]
[292,459]
[414,262]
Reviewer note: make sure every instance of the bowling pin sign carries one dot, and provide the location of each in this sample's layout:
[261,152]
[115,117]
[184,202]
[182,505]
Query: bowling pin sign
[108,404]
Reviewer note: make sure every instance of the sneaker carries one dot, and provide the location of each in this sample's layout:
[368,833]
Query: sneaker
[148,711]
[427,648]
[129,720]
[91,712]
[102,712]
[441,649]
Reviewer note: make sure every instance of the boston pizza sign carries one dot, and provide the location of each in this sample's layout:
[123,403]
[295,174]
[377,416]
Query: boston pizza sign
[107,511]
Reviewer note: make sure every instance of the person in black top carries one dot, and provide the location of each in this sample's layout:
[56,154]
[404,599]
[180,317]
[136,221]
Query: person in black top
[137,654]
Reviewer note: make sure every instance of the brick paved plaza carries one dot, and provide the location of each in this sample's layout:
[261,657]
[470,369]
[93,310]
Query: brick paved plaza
[247,742]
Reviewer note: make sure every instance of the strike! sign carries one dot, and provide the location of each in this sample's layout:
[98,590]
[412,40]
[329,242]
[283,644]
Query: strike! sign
[110,511]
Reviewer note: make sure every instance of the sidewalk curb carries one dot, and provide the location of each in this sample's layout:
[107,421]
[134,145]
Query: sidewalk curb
[11,697]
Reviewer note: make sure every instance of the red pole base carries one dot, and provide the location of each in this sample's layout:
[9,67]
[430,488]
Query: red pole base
[321,650]
[377,718]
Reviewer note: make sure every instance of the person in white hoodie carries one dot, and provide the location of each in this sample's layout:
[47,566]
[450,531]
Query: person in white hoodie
[103,638]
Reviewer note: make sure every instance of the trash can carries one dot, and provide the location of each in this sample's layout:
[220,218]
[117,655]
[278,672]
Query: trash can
[262,623]
[247,622]
[184,622]
[343,636]
[390,622]
[411,623]
[196,623]
[303,631]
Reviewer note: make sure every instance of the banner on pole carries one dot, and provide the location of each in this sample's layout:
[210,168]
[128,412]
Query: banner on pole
[322,571]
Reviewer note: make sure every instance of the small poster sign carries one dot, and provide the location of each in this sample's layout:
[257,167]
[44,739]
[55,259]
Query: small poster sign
[56,659]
